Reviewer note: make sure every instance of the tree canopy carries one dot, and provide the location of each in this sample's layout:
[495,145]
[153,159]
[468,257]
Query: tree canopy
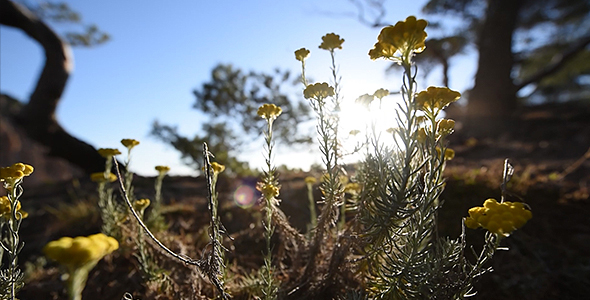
[230,99]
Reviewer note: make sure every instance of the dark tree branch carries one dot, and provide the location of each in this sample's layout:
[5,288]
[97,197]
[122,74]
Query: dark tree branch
[37,117]
[557,63]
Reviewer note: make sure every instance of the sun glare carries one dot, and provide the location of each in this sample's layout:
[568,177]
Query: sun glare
[359,121]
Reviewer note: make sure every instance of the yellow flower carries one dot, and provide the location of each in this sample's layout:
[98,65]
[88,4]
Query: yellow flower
[331,41]
[499,218]
[318,91]
[217,168]
[354,132]
[382,50]
[381,93]
[449,153]
[445,126]
[141,204]
[310,180]
[129,143]
[405,38]
[108,152]
[269,111]
[80,251]
[268,190]
[6,208]
[100,177]
[436,98]
[301,54]
[162,169]
[15,172]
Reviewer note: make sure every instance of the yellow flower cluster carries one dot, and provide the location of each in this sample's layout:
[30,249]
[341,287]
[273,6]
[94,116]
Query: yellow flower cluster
[99,177]
[381,93]
[436,98]
[268,190]
[269,111]
[301,54]
[318,91]
[108,152]
[129,143]
[80,251]
[6,208]
[500,218]
[331,41]
[162,169]
[15,172]
[406,37]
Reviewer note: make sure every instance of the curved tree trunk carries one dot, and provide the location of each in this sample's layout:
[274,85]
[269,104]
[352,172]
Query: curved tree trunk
[37,117]
[493,98]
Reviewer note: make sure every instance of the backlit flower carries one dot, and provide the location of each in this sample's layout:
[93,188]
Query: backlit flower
[354,132]
[331,41]
[381,93]
[318,91]
[269,111]
[499,218]
[129,143]
[108,152]
[445,126]
[301,54]
[405,38]
[436,98]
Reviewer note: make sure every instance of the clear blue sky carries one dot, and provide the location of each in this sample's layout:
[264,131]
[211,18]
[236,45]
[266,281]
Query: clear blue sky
[160,52]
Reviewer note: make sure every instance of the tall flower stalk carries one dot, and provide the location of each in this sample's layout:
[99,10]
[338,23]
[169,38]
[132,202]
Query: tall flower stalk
[110,212]
[269,187]
[11,217]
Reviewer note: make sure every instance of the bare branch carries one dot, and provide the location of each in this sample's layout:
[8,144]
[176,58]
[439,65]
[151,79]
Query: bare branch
[557,63]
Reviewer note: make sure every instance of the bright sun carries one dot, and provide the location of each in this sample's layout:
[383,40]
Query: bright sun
[357,121]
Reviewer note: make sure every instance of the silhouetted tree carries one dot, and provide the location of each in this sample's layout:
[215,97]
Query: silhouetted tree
[231,99]
[538,44]
[37,116]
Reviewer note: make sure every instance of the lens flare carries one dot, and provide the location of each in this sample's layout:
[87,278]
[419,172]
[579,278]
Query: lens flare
[245,196]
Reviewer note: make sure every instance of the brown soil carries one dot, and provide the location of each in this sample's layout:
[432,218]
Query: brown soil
[549,258]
